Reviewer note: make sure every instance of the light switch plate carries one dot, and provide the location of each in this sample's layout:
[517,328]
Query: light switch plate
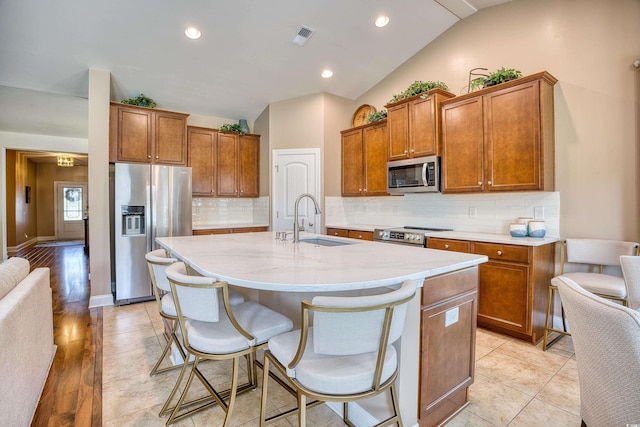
[538,212]
[473,212]
[451,316]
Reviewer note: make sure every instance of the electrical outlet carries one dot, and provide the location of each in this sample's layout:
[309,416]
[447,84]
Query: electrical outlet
[538,212]
[473,212]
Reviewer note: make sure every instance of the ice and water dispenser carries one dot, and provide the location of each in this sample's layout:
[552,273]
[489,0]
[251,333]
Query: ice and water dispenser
[133,223]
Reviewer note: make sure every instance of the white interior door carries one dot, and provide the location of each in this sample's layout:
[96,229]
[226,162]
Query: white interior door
[71,207]
[295,172]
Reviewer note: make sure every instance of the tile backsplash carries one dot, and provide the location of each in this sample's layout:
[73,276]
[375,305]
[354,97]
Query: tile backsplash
[207,211]
[482,213]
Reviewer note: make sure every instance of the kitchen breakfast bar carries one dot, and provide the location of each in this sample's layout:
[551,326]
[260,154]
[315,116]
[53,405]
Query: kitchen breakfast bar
[436,351]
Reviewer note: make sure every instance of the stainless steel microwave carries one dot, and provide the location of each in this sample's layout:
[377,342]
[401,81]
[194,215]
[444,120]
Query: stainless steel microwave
[419,175]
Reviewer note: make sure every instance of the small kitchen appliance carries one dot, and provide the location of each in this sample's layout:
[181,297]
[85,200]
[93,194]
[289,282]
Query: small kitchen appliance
[407,235]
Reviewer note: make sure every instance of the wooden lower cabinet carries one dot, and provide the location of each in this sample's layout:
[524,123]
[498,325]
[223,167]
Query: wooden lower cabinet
[354,234]
[229,230]
[448,341]
[512,294]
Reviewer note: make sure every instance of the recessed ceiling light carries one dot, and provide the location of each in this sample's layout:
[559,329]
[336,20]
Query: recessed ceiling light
[381,21]
[193,33]
[327,73]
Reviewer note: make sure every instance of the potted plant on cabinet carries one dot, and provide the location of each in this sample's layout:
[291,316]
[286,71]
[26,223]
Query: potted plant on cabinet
[141,101]
[232,127]
[499,76]
[417,88]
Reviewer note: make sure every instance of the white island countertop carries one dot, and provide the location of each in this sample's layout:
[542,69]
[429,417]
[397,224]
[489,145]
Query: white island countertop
[259,261]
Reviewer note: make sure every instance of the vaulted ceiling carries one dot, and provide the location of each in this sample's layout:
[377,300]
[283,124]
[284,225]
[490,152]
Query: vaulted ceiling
[243,62]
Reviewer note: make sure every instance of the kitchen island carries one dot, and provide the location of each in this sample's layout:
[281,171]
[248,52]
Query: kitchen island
[437,347]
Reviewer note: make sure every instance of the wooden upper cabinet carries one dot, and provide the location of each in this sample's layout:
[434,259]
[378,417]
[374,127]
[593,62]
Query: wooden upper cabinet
[364,160]
[237,165]
[500,138]
[414,125]
[144,135]
[462,151]
[249,157]
[201,155]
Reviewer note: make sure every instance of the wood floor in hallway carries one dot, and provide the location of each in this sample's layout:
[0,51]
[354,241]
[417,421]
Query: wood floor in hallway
[72,394]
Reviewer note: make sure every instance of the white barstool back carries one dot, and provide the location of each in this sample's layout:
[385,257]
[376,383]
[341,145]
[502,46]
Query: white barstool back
[606,337]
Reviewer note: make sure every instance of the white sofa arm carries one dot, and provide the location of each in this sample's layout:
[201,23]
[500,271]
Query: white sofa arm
[26,340]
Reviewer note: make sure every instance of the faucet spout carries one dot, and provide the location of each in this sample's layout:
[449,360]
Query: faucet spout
[296,226]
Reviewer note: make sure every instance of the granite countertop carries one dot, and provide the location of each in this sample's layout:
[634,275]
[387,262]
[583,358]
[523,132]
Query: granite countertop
[231,225]
[260,261]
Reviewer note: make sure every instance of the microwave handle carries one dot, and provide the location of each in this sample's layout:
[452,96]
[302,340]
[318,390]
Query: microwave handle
[424,174]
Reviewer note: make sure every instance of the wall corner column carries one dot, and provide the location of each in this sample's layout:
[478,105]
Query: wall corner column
[100,259]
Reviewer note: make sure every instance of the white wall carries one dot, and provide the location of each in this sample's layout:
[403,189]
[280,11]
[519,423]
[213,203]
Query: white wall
[589,46]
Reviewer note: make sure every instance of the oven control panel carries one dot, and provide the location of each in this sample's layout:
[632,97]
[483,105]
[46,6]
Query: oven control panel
[400,236]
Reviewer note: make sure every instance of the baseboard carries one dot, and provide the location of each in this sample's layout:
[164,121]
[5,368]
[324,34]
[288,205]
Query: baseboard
[100,301]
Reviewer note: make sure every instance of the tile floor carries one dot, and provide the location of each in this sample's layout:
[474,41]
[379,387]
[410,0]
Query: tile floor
[516,384]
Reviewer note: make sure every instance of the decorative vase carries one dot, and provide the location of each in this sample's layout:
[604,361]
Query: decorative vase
[537,229]
[243,125]
[518,229]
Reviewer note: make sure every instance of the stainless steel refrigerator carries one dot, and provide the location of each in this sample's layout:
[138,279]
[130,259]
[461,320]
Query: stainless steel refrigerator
[147,201]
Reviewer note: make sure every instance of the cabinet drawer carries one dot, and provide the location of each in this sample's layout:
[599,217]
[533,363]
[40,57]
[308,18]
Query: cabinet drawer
[502,252]
[340,232]
[448,245]
[362,235]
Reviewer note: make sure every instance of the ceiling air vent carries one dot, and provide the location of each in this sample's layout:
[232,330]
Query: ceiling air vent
[303,35]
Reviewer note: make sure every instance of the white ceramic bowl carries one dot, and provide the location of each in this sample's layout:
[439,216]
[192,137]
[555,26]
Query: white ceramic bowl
[518,229]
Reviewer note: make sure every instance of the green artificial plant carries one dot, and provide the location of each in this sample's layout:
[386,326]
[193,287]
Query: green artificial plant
[377,116]
[232,127]
[141,101]
[417,88]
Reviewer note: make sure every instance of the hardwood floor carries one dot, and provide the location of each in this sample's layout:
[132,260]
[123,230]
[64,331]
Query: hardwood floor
[72,395]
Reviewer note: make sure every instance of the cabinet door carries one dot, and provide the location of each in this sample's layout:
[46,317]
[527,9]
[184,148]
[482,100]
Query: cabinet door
[424,139]
[398,123]
[375,142]
[503,299]
[352,163]
[462,145]
[227,165]
[512,138]
[448,327]
[249,157]
[170,146]
[201,145]
[133,135]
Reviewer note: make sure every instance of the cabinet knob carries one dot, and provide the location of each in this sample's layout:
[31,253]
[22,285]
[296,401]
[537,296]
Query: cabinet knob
[359,189]
[446,246]
[365,190]
[412,150]
[359,236]
[479,182]
[157,157]
[335,233]
[405,151]
[499,252]
[149,156]
[489,182]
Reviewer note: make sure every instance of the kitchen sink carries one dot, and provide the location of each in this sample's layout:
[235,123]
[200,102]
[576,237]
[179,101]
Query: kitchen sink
[324,242]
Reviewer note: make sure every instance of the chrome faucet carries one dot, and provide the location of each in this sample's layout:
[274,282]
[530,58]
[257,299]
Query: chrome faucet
[296,227]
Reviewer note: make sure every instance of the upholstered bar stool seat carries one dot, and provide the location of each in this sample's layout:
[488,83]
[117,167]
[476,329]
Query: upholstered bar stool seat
[631,273]
[603,284]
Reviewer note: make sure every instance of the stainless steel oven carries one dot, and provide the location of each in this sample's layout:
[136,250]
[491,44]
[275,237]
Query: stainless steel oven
[407,235]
